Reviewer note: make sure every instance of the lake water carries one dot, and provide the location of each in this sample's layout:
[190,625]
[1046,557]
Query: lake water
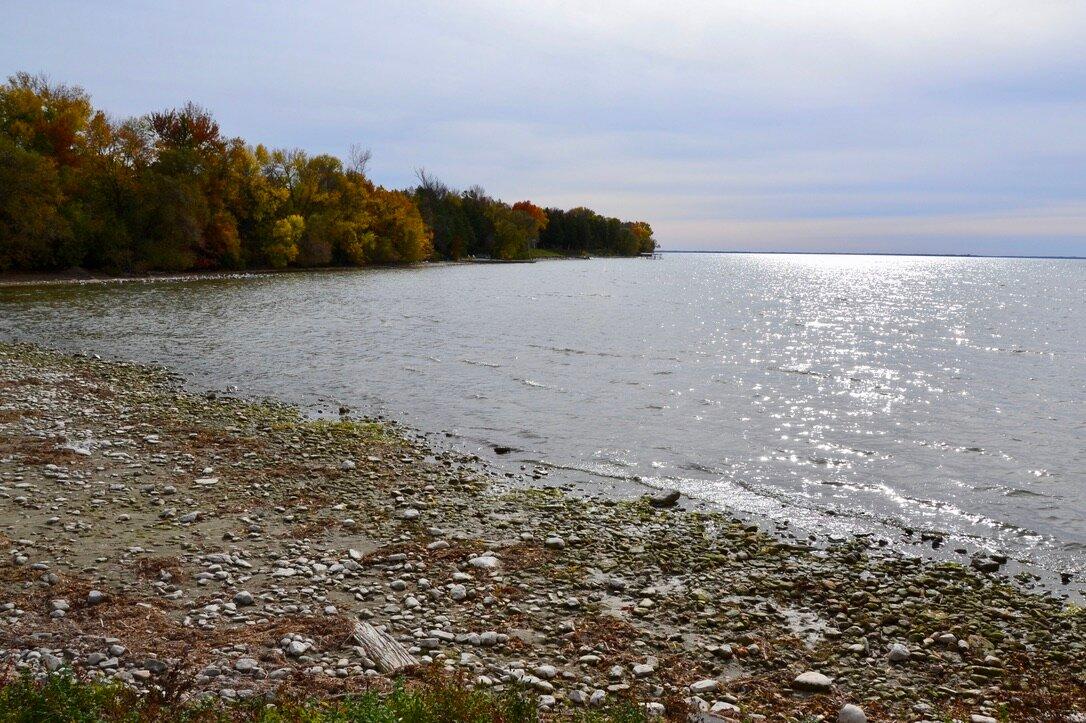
[837,393]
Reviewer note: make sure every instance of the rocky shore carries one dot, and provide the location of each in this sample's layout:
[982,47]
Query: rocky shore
[228,548]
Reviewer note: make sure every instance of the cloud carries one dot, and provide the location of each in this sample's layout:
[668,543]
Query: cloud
[724,123]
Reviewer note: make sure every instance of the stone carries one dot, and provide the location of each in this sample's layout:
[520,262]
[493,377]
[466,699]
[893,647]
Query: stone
[246,665]
[554,543]
[898,653]
[546,672]
[244,598]
[704,686]
[812,681]
[95,597]
[851,714]
[485,562]
[666,498]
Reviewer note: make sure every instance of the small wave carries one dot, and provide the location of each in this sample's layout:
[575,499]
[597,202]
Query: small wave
[477,363]
[697,467]
[571,350]
[803,371]
[539,385]
[1024,493]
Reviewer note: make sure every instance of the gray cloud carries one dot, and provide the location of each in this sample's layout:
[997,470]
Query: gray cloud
[784,125]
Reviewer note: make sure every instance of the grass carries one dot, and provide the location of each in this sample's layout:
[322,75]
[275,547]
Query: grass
[64,698]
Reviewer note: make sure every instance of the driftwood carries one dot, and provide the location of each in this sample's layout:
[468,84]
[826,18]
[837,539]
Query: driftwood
[390,656]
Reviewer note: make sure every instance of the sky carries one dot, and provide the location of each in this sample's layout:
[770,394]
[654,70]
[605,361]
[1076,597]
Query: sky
[955,126]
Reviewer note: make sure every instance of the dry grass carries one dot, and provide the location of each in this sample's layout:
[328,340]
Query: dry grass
[35,450]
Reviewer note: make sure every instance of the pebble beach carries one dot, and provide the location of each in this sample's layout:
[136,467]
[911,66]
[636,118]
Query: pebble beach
[155,533]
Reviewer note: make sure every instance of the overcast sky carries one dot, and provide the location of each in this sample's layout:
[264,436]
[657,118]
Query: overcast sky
[953,126]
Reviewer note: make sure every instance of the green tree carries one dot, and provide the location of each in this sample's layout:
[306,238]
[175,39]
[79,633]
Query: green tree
[285,235]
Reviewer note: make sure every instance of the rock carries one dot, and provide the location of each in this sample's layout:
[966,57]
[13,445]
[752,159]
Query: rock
[502,450]
[976,718]
[95,597]
[666,498]
[898,653]
[347,465]
[704,686]
[458,592]
[598,696]
[812,681]
[244,598]
[246,665]
[410,514]
[984,563]
[554,543]
[546,672]
[485,562]
[851,714]
[642,670]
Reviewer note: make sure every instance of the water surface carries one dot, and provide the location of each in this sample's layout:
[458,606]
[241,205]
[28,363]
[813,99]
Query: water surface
[839,393]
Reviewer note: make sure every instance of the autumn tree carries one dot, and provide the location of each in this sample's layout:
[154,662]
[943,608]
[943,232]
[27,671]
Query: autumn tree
[169,191]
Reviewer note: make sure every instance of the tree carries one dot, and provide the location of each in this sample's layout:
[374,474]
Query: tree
[169,191]
[285,235]
[31,225]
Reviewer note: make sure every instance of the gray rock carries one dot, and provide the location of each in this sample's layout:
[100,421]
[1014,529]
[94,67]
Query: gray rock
[244,598]
[246,665]
[94,597]
[851,714]
[546,672]
[898,653]
[704,686]
[813,681]
[666,498]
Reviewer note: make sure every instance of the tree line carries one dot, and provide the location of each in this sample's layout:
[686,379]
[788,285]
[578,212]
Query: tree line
[168,191]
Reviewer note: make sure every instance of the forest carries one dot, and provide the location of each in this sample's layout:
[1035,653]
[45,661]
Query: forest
[168,191]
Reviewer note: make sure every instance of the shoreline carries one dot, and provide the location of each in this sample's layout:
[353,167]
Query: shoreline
[13,279]
[106,470]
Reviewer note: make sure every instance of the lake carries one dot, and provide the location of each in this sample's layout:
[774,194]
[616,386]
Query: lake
[838,394]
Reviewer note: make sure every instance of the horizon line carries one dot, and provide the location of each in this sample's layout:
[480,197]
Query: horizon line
[873,253]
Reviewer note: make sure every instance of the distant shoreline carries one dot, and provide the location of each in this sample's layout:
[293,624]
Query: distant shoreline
[88,277]
[874,253]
